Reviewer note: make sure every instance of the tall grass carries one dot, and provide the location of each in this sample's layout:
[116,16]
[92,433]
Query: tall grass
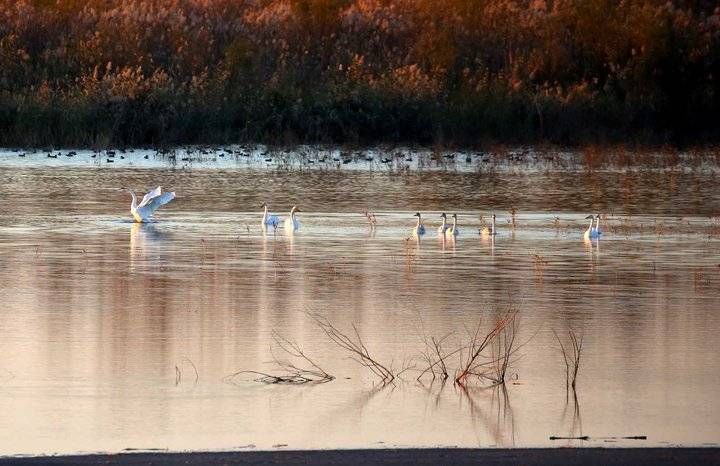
[128,72]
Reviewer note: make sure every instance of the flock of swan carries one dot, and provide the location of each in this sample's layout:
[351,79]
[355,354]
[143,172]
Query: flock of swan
[155,199]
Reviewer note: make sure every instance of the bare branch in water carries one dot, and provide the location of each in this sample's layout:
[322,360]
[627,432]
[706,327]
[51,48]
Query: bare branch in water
[504,348]
[571,356]
[435,357]
[197,375]
[355,346]
[484,366]
[292,373]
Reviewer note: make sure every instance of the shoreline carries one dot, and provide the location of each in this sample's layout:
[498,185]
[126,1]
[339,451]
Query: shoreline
[396,161]
[456,456]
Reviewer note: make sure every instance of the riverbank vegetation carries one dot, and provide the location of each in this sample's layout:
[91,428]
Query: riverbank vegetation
[449,72]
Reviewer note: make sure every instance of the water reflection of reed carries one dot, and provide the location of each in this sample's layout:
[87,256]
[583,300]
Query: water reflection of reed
[571,417]
[493,413]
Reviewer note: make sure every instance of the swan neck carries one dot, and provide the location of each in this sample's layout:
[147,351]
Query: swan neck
[133,204]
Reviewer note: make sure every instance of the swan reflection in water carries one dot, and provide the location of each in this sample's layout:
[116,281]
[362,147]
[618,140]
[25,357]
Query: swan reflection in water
[146,245]
[592,247]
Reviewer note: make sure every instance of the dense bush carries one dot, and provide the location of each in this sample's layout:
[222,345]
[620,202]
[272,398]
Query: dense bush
[98,72]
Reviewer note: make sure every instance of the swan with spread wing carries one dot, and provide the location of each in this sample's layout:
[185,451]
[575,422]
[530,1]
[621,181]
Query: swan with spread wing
[151,202]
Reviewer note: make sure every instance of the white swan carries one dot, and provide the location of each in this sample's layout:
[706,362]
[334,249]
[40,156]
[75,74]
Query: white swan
[489,231]
[590,232]
[453,231]
[269,220]
[292,224]
[596,231]
[442,228]
[419,228]
[150,203]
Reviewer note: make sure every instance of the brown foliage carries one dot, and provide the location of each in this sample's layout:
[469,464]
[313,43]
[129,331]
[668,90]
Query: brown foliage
[136,71]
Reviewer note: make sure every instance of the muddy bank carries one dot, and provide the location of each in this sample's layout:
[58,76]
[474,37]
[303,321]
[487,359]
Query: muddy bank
[540,456]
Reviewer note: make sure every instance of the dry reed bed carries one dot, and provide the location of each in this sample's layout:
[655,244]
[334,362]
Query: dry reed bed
[455,71]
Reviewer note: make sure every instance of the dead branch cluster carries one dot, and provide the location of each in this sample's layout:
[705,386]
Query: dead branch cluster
[484,358]
[295,368]
[489,353]
[357,349]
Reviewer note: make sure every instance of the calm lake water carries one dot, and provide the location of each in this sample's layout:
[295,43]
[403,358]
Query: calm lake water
[104,322]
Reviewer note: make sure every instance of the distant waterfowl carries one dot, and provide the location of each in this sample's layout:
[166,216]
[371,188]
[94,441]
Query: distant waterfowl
[269,220]
[453,231]
[489,231]
[292,224]
[597,230]
[419,228]
[442,228]
[150,203]
[590,232]
[372,221]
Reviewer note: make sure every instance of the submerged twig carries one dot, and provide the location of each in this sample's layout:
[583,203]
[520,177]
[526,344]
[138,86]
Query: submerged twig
[178,371]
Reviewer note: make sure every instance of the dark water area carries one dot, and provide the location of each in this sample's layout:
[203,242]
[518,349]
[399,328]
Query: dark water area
[118,335]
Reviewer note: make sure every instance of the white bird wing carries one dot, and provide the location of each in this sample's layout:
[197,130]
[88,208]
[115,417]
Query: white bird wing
[149,196]
[155,203]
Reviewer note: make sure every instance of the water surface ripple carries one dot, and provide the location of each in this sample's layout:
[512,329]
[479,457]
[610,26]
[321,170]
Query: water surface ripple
[105,321]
